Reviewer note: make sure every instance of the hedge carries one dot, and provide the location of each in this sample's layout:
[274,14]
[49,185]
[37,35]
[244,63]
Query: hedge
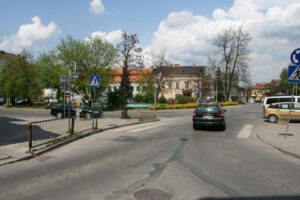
[190,105]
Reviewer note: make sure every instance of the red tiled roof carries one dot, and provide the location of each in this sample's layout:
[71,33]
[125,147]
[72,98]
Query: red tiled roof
[135,74]
[259,86]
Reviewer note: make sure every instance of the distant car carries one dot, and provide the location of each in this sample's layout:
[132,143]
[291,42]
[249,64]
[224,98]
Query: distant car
[209,114]
[277,111]
[84,111]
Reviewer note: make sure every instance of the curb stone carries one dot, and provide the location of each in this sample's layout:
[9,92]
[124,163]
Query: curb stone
[69,140]
[278,148]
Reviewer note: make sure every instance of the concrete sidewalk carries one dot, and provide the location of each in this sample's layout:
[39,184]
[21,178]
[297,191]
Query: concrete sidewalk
[19,151]
[274,135]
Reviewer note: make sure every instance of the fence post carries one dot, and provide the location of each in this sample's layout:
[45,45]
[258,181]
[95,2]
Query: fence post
[29,135]
[72,125]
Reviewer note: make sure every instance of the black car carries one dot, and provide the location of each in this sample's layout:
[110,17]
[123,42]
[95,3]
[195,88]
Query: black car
[209,114]
[84,111]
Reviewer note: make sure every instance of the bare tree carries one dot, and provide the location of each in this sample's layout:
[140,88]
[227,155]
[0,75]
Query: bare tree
[160,60]
[130,58]
[232,45]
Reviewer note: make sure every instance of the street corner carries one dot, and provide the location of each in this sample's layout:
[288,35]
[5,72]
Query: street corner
[275,135]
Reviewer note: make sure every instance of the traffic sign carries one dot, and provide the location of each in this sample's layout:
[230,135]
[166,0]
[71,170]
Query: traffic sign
[294,74]
[75,75]
[95,81]
[63,79]
[197,91]
[295,56]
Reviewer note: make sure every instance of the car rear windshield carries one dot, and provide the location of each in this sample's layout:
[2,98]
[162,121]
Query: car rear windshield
[205,108]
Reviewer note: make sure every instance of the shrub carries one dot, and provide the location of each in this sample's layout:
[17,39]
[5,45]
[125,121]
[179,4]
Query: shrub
[181,99]
[162,99]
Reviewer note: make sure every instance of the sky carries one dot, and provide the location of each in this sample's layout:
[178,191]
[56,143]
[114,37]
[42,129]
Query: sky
[184,28]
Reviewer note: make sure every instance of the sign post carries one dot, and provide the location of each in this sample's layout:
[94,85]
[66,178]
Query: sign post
[94,83]
[64,80]
[293,77]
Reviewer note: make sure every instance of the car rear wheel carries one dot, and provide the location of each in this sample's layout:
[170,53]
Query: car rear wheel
[88,116]
[272,118]
[59,115]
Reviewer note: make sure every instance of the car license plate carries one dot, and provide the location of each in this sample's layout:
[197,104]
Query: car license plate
[207,117]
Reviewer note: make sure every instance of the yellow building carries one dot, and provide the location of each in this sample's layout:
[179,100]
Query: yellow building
[259,91]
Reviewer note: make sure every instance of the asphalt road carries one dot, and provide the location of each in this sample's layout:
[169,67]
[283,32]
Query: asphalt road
[168,156]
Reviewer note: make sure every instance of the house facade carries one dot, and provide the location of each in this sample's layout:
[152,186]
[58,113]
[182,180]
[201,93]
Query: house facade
[180,80]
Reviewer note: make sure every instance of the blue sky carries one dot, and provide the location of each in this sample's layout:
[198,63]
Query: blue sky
[134,16]
[185,28]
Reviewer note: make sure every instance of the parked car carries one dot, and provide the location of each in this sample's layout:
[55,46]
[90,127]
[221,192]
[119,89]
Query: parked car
[277,99]
[84,111]
[277,111]
[209,114]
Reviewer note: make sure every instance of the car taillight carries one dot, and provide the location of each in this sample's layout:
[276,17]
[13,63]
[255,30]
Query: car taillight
[222,115]
[270,106]
[194,115]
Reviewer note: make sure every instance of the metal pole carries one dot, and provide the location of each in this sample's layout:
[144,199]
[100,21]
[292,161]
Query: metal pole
[291,104]
[69,123]
[155,86]
[29,133]
[216,90]
[64,100]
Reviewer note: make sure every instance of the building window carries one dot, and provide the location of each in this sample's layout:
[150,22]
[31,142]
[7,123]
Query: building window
[177,86]
[170,85]
[187,85]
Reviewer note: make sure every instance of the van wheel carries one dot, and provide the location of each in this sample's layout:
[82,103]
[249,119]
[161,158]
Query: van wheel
[272,118]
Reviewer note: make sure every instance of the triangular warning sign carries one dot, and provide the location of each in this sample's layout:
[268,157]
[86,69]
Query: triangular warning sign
[295,75]
[95,82]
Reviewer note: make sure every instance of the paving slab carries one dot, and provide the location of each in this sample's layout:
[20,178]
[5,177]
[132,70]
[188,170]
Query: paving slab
[275,135]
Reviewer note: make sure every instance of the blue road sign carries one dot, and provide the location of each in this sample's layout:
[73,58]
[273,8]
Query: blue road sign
[294,74]
[95,81]
[295,56]
[197,90]
[75,75]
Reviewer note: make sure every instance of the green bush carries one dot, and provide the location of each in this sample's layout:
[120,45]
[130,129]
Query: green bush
[113,100]
[162,99]
[181,99]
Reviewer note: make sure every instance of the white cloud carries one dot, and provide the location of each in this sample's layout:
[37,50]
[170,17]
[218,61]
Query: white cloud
[273,25]
[97,7]
[113,37]
[28,35]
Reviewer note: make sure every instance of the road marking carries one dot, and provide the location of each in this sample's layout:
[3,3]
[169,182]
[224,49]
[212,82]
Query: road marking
[133,127]
[147,127]
[245,132]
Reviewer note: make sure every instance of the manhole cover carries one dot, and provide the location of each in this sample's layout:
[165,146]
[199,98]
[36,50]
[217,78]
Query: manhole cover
[184,139]
[152,194]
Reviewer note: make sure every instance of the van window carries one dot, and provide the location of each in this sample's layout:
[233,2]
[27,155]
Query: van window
[272,100]
[298,100]
[286,99]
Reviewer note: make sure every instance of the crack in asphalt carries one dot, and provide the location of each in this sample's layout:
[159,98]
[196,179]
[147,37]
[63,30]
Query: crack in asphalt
[159,168]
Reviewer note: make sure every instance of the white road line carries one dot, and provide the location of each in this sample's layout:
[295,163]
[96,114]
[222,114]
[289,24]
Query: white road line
[148,127]
[245,132]
[133,127]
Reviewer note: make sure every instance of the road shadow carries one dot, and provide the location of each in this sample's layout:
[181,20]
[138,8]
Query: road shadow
[210,129]
[296,197]
[12,131]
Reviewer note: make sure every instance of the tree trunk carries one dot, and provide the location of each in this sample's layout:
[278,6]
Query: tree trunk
[124,114]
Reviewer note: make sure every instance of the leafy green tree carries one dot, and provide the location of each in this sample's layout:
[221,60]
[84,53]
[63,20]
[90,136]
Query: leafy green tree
[19,77]
[93,57]
[130,57]
[50,70]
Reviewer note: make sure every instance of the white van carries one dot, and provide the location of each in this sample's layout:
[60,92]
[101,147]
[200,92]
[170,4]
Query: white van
[277,99]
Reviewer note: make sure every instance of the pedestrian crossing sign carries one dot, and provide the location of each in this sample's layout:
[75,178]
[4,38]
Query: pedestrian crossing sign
[95,81]
[294,74]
